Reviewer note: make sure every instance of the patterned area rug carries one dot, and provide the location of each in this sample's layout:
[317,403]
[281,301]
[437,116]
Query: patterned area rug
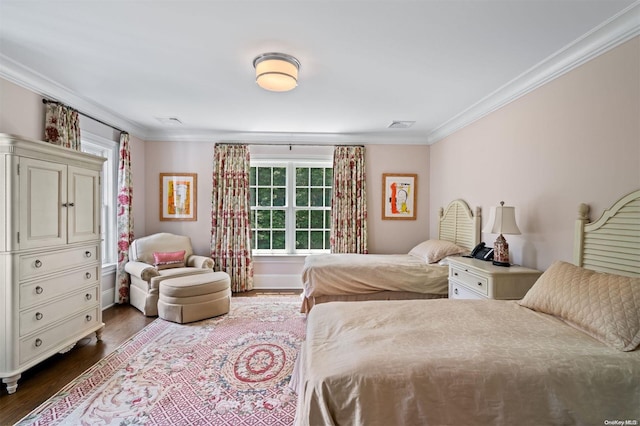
[229,370]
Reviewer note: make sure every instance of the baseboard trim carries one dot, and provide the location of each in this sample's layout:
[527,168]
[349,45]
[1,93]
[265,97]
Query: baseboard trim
[277,282]
[108,298]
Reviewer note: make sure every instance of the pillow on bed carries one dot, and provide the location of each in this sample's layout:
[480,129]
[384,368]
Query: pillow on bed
[605,306]
[432,251]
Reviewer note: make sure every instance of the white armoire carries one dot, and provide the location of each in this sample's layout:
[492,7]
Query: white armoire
[50,252]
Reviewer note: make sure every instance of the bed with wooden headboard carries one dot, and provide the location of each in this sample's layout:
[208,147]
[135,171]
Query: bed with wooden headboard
[567,353]
[612,242]
[415,275]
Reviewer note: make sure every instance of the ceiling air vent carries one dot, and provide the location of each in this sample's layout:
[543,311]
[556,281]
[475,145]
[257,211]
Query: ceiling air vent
[169,121]
[401,124]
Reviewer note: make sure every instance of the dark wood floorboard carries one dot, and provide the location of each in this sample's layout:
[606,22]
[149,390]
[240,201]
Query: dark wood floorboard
[45,379]
[42,381]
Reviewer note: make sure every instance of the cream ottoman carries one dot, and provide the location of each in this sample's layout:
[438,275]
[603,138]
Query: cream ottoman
[194,297]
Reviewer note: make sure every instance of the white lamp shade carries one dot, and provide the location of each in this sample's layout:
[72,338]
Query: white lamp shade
[502,221]
[277,72]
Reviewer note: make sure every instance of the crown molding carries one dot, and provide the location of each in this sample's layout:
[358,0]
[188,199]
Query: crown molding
[289,138]
[611,33]
[38,83]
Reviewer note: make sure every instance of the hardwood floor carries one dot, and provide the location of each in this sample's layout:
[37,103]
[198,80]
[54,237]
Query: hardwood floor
[45,379]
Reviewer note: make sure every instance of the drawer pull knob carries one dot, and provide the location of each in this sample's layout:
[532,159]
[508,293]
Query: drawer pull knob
[87,254]
[65,205]
[455,291]
[71,204]
[39,290]
[38,343]
[38,263]
[38,316]
[87,275]
[87,296]
[455,273]
[480,284]
[88,318]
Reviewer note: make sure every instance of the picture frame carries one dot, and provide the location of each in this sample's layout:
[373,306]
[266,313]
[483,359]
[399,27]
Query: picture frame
[178,196]
[399,196]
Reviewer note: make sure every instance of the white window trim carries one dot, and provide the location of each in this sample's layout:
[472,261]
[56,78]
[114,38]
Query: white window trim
[109,175]
[290,162]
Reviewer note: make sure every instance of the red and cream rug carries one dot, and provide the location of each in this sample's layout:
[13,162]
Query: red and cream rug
[229,370]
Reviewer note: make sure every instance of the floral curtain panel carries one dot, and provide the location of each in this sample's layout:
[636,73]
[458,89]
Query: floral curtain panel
[62,126]
[230,225]
[125,219]
[349,201]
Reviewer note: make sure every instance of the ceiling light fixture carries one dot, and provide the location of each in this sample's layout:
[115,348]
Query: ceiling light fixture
[277,72]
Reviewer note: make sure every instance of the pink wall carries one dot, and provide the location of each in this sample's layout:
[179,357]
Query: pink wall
[385,236]
[21,111]
[573,140]
[179,157]
[396,236]
[138,166]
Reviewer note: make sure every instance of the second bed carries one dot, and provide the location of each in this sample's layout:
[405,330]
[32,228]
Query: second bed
[415,275]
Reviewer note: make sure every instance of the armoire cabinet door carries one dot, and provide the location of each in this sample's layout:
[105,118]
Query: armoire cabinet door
[84,204]
[43,191]
[61,204]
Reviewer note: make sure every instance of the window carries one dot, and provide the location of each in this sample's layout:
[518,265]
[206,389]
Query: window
[290,206]
[96,145]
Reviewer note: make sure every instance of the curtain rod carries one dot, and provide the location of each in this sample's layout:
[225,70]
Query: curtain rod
[49,101]
[285,144]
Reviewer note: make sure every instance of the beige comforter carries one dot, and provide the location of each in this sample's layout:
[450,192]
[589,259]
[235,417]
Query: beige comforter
[339,274]
[457,362]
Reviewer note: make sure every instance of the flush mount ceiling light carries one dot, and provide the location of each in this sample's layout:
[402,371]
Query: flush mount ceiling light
[277,72]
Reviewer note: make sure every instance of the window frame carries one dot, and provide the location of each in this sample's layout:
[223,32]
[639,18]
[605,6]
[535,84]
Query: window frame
[290,163]
[103,147]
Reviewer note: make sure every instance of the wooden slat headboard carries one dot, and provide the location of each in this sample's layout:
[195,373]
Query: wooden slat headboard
[611,243]
[459,225]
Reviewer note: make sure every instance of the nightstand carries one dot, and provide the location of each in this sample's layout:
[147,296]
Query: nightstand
[478,279]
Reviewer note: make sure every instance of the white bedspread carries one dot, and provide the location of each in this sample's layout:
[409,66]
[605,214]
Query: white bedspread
[340,274]
[457,362]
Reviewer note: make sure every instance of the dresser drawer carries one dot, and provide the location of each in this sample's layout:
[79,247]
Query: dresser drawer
[39,343]
[457,291]
[43,316]
[41,291]
[35,265]
[475,282]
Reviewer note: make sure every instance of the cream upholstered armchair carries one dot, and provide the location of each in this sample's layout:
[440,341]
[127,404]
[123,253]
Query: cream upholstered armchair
[150,263]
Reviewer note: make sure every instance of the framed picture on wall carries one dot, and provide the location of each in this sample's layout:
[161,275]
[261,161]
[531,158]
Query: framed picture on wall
[399,196]
[178,196]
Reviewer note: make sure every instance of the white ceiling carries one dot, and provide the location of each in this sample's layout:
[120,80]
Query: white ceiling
[364,63]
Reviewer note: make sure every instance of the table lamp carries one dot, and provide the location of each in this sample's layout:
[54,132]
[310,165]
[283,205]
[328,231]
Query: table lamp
[502,221]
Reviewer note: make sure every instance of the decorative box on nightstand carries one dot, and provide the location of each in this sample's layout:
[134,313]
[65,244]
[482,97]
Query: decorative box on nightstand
[478,279]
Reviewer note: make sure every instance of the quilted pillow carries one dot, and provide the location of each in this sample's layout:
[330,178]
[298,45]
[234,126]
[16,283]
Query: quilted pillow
[605,306]
[432,251]
[173,259]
